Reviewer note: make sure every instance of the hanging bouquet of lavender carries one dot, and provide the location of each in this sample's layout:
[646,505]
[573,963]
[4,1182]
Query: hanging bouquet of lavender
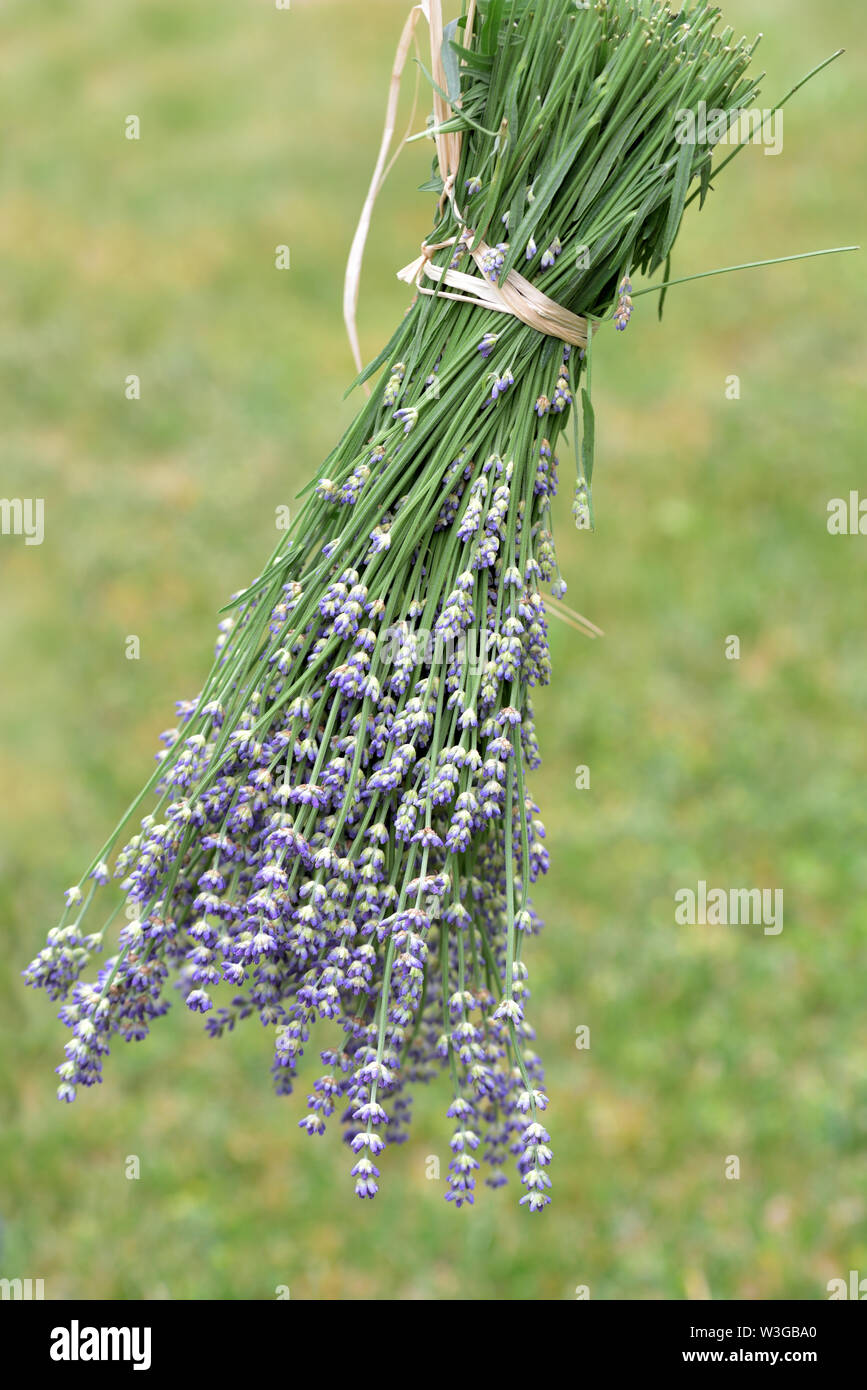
[341,827]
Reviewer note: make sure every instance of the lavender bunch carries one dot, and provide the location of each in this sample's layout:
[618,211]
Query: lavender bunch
[340,827]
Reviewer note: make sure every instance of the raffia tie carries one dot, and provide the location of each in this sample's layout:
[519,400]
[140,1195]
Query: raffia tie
[516,295]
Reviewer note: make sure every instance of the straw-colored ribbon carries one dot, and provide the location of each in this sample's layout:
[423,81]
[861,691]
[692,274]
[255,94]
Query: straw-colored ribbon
[516,295]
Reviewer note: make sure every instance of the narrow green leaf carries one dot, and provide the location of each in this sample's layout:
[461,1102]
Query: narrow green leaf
[479,62]
[588,438]
[666,277]
[491,28]
[451,62]
[682,177]
[706,171]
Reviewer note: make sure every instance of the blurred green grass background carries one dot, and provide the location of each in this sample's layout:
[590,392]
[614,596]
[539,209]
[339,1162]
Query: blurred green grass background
[156,257]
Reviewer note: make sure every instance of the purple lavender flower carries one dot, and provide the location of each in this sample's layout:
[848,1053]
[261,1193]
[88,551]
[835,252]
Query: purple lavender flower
[623,312]
[493,260]
[501,384]
[408,416]
[550,254]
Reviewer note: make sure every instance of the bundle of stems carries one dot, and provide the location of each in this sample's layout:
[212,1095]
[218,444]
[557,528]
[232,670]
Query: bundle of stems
[341,826]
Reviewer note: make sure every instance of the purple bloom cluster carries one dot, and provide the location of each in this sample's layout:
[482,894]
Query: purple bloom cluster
[343,838]
[551,253]
[493,260]
[623,312]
